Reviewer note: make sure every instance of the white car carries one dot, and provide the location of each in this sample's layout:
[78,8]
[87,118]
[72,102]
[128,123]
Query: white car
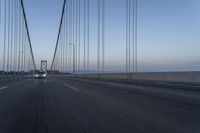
[40,75]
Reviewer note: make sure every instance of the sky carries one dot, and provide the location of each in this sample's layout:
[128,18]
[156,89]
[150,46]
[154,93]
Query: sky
[168,33]
[43,18]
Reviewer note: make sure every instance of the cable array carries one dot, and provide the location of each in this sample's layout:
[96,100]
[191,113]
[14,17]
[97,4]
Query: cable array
[131,38]
[81,39]
[73,38]
[16,49]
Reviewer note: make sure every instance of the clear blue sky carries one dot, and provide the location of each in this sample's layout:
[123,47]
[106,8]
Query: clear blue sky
[168,33]
[43,18]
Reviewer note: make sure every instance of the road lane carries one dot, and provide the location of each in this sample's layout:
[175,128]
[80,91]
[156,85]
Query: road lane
[174,95]
[182,110]
[77,105]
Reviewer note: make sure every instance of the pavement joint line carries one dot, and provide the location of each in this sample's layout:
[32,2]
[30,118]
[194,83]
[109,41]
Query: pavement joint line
[177,84]
[2,88]
[67,85]
[140,88]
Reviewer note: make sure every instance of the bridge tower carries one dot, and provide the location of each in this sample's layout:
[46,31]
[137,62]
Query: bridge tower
[43,67]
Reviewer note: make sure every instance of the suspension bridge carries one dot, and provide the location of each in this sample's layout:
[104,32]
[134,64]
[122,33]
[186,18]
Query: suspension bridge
[82,92]
[74,46]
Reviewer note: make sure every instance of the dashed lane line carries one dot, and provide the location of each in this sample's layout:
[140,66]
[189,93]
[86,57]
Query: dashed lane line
[67,85]
[2,88]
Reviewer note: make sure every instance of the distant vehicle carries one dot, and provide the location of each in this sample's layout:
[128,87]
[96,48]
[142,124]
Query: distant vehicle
[40,75]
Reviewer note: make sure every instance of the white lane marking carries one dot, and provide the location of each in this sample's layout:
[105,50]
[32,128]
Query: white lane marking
[2,88]
[67,85]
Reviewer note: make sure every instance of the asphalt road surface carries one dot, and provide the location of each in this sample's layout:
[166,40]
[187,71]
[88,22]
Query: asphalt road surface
[70,105]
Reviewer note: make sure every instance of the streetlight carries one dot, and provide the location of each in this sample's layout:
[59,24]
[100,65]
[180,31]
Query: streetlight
[20,59]
[73,46]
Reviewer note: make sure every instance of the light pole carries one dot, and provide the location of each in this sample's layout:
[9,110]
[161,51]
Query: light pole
[73,47]
[20,59]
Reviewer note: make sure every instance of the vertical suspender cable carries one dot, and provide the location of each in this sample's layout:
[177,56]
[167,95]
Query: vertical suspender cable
[64,42]
[74,38]
[0,29]
[72,45]
[8,48]
[17,34]
[129,38]
[25,43]
[70,34]
[15,39]
[84,53]
[103,35]
[79,34]
[14,34]
[76,42]
[98,37]
[67,28]
[0,19]
[59,56]
[61,52]
[88,34]
[20,32]
[61,49]
[5,33]
[133,37]
[11,44]
[136,17]
[22,48]
[24,52]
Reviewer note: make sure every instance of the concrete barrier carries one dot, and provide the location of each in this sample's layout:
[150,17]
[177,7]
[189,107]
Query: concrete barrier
[162,76]
[9,78]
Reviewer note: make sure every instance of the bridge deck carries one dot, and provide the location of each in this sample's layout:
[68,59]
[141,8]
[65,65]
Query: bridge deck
[91,106]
